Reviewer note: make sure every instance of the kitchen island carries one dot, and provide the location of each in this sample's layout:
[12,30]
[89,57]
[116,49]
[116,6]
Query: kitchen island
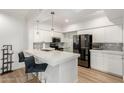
[62,66]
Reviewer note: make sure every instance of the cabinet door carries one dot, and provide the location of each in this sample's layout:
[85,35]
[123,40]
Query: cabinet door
[113,34]
[42,36]
[59,35]
[100,61]
[45,36]
[93,60]
[113,63]
[98,35]
[97,61]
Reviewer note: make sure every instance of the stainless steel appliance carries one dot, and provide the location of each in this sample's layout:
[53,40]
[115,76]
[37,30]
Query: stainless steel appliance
[55,43]
[82,44]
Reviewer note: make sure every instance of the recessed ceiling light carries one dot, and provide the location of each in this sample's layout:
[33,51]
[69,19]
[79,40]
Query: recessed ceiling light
[66,20]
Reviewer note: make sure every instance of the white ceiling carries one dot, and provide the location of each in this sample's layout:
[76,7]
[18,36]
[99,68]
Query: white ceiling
[73,15]
[16,12]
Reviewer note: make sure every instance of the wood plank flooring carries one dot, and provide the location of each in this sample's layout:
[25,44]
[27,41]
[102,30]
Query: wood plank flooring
[18,76]
[84,75]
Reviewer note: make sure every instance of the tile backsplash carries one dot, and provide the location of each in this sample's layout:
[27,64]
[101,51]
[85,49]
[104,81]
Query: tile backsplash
[108,46]
[39,45]
[102,46]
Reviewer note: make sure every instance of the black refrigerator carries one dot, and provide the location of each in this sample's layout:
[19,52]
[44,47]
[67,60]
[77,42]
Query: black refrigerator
[82,45]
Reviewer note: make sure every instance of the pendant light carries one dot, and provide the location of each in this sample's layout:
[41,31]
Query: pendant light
[52,23]
[37,27]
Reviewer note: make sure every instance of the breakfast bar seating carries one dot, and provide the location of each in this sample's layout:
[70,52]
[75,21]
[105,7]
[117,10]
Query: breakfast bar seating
[62,66]
[31,66]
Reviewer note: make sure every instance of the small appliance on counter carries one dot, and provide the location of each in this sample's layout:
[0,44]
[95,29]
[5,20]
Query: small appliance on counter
[82,45]
[55,43]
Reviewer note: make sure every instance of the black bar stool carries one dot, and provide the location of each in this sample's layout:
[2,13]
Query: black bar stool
[31,66]
[21,57]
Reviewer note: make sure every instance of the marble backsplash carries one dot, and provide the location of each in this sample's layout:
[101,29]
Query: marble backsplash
[108,46]
[101,46]
[39,45]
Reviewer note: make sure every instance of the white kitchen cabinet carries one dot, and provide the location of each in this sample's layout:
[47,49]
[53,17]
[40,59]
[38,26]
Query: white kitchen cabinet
[93,60]
[42,36]
[47,36]
[110,34]
[113,64]
[98,35]
[59,35]
[100,61]
[106,62]
[97,61]
[113,34]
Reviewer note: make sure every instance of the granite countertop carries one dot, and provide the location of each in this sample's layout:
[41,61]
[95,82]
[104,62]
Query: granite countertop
[108,52]
[53,57]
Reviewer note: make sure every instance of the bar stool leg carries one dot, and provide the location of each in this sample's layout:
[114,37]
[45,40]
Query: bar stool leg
[27,76]
[37,74]
[43,80]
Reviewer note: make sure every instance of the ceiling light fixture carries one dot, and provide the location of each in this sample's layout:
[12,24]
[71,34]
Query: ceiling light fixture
[66,20]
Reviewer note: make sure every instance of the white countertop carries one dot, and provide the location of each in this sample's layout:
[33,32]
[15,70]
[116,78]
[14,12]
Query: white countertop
[53,57]
[109,52]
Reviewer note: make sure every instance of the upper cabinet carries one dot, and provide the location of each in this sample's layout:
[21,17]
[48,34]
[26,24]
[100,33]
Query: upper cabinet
[98,35]
[110,34]
[113,34]
[57,34]
[42,36]
[46,36]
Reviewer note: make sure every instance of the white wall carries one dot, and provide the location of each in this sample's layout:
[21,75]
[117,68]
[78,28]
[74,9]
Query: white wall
[13,31]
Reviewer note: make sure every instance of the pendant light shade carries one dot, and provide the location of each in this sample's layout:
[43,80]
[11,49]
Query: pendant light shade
[37,27]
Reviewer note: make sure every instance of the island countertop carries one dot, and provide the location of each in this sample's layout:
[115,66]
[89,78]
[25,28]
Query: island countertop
[53,57]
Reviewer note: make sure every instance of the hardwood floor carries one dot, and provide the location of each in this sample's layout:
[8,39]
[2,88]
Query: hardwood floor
[18,76]
[84,75]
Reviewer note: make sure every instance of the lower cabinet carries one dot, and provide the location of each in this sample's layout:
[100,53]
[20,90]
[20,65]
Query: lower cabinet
[107,62]
[97,61]
[113,64]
